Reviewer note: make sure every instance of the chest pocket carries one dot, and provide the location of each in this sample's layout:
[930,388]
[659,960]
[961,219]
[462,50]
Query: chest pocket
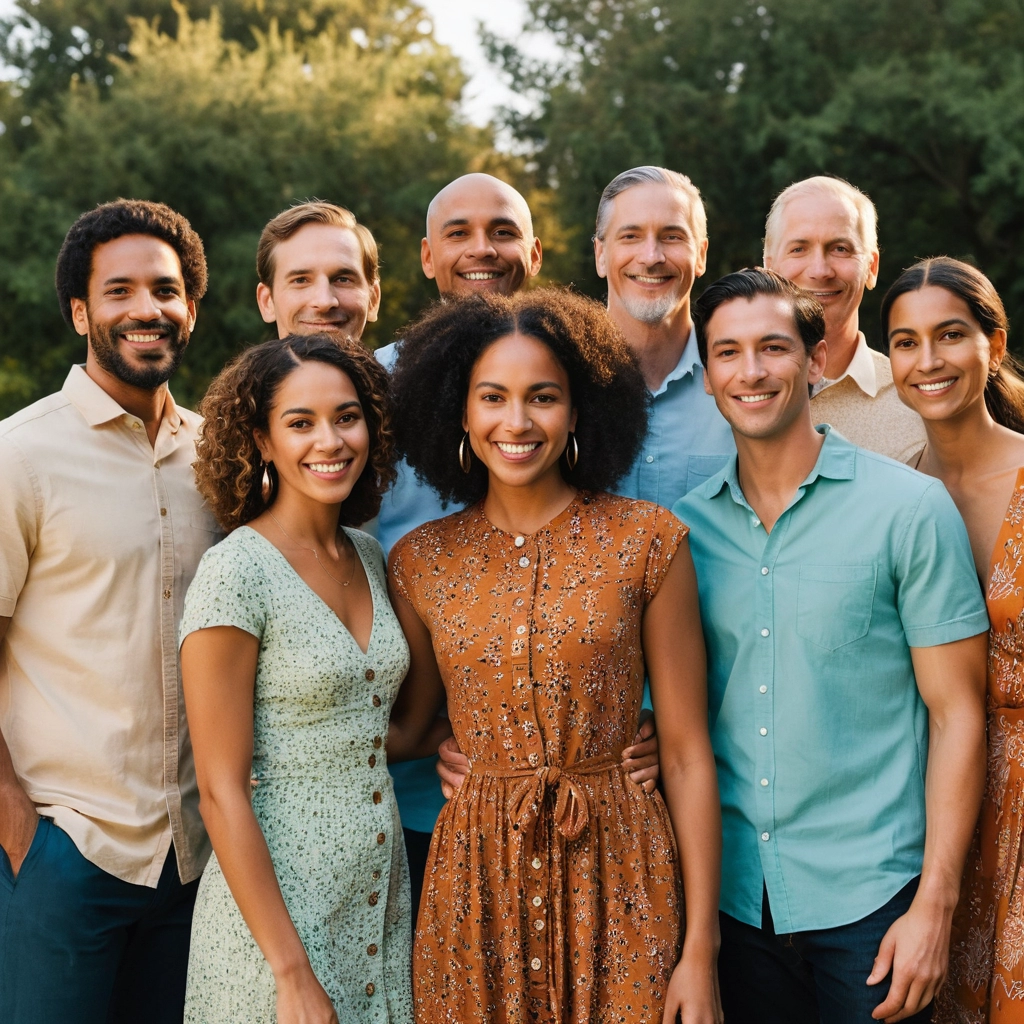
[834,604]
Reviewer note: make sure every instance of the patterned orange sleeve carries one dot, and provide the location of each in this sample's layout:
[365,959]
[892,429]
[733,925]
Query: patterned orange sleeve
[667,533]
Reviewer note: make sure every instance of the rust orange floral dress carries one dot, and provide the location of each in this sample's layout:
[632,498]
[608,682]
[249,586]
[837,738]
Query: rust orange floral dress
[986,968]
[552,888]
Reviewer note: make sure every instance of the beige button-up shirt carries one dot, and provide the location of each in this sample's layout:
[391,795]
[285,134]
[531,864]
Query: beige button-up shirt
[100,535]
[864,406]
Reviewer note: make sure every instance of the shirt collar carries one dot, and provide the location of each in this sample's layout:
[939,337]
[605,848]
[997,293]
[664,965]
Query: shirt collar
[97,407]
[688,361]
[861,370]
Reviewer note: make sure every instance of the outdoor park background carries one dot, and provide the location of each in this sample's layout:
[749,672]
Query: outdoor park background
[232,111]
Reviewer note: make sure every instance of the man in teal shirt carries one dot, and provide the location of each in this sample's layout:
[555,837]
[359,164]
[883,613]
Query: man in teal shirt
[846,644]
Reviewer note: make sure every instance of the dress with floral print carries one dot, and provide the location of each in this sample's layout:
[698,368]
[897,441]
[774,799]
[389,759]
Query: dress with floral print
[552,889]
[986,968]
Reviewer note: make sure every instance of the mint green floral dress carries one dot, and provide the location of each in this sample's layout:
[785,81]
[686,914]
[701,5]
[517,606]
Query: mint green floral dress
[322,793]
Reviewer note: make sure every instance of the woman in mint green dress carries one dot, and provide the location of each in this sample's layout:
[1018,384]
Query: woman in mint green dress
[291,658]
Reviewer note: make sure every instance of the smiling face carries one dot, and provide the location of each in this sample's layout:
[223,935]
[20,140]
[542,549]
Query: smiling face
[819,248]
[519,411]
[316,436]
[136,315]
[940,356]
[319,285]
[650,253]
[479,238]
[758,366]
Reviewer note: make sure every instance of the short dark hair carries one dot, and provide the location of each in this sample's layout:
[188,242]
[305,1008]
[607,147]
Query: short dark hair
[747,284]
[436,359]
[126,217]
[229,468]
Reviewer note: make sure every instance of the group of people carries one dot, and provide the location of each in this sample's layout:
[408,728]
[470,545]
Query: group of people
[714,614]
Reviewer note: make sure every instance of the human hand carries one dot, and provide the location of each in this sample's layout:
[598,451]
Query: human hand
[916,950]
[452,766]
[301,999]
[641,759]
[693,995]
[18,823]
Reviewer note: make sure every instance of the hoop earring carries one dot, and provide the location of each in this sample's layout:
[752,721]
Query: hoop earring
[571,460]
[465,457]
[268,484]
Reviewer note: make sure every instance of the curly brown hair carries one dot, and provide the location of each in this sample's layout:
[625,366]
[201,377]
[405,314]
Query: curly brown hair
[229,468]
[436,357]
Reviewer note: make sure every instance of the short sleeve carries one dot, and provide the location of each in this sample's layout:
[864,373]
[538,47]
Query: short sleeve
[667,534]
[938,594]
[20,509]
[398,569]
[229,589]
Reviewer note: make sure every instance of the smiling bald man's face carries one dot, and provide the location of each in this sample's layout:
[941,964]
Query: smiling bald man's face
[479,238]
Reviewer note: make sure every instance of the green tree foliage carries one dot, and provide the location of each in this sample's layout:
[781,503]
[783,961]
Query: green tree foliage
[918,102]
[229,135]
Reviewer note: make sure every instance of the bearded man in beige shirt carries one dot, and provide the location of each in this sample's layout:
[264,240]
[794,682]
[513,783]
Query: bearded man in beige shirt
[101,530]
[822,234]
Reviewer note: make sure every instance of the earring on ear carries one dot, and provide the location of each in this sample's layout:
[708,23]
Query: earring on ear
[267,484]
[574,457]
[465,455]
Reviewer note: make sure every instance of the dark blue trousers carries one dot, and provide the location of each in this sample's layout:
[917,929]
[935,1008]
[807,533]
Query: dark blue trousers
[79,945]
[816,977]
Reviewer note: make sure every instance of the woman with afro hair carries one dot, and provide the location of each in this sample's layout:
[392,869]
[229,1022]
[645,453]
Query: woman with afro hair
[553,889]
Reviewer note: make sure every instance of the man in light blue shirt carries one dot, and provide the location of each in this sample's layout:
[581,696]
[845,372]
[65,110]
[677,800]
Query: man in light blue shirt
[846,638]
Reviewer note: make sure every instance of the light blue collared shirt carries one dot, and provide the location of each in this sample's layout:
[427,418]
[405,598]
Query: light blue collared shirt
[819,732]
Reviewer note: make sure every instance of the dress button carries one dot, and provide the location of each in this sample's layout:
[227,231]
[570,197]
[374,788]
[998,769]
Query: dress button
[376,701]
[381,838]
[765,632]
[519,602]
[377,798]
[520,630]
[524,561]
[372,760]
[764,570]
[764,782]
[376,875]
[763,731]
[763,688]
[377,741]
[167,595]
[539,925]
[371,988]
[370,675]
[538,900]
[374,896]
[520,541]
[765,837]
[535,864]
[535,963]
[371,949]
[534,760]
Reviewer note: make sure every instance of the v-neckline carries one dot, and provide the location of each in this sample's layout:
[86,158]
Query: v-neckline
[330,611]
[997,548]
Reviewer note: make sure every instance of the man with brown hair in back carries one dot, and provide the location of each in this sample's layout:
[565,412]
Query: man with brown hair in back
[318,272]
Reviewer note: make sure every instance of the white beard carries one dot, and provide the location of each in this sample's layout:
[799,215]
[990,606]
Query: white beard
[650,311]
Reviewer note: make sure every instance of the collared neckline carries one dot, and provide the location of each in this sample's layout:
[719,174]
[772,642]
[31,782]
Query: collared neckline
[861,370]
[97,407]
[687,362]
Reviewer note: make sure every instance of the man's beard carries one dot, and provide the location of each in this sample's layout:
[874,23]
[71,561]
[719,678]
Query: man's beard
[650,311]
[104,344]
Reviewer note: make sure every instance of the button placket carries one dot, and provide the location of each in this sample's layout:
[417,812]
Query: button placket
[520,638]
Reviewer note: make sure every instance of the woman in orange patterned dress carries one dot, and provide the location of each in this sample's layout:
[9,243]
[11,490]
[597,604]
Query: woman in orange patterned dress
[947,328]
[553,889]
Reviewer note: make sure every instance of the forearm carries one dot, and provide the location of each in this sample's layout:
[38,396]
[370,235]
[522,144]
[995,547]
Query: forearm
[249,872]
[17,811]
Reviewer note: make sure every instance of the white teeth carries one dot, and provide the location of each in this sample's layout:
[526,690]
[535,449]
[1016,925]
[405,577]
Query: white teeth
[937,386]
[750,399]
[649,280]
[327,467]
[482,275]
[518,449]
[140,338]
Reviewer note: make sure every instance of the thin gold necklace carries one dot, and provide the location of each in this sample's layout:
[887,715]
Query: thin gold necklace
[351,575]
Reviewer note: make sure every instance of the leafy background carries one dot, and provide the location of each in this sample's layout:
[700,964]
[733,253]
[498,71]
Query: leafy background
[231,112]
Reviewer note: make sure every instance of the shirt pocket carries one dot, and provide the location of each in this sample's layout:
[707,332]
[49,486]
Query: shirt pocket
[833,605]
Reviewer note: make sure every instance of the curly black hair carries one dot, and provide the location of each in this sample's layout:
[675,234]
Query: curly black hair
[229,468]
[126,217]
[436,357]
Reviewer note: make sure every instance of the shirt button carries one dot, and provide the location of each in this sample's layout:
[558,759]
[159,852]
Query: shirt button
[764,632]
[372,760]
[163,511]
[757,522]
[520,541]
[374,896]
[535,963]
[764,570]
[763,688]
[765,837]
[763,731]
[377,741]
[167,595]
[381,838]
[538,900]
[377,798]
[524,561]
[539,925]
[376,701]
[535,864]
[370,675]
[520,630]
[372,949]
[371,988]
[764,782]
[649,459]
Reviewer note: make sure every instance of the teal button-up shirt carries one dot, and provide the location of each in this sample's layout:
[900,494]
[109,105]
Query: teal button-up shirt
[819,732]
